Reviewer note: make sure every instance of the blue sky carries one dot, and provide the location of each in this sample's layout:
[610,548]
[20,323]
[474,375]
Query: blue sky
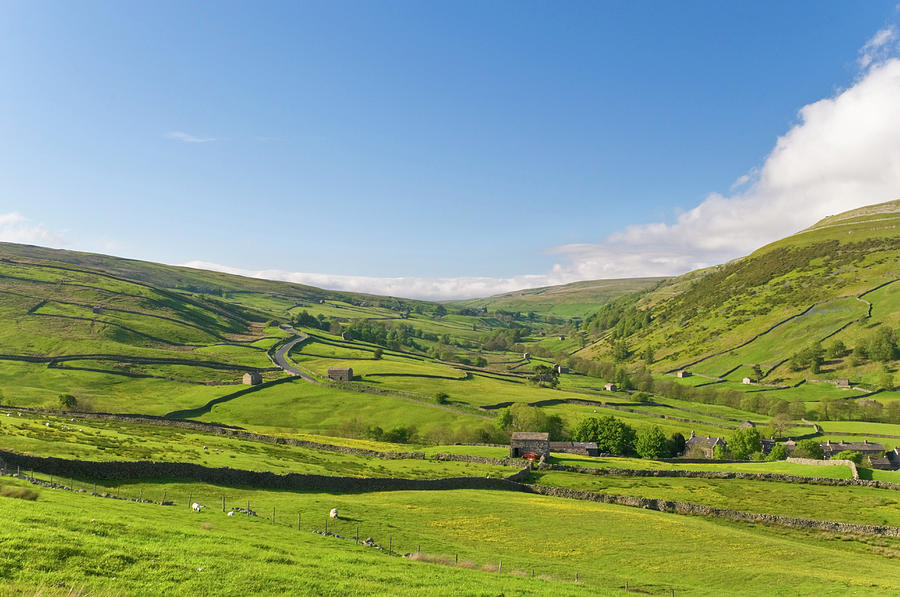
[439,149]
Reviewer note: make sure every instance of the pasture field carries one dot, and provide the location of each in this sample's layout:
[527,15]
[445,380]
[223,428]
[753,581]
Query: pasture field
[175,551]
[88,439]
[862,505]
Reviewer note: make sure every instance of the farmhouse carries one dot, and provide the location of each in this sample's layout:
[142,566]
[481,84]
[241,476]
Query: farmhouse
[560,369]
[683,373]
[524,442]
[252,378]
[865,447]
[611,387]
[580,448]
[340,374]
[702,446]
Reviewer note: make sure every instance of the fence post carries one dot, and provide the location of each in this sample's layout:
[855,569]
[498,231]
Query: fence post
[500,567]
[357,534]
[163,502]
[326,525]
[299,515]
[223,503]
[273,514]
[191,500]
[141,496]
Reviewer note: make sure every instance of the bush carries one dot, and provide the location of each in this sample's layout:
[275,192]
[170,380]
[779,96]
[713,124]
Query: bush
[20,493]
[851,455]
[68,401]
[442,398]
[677,444]
[779,452]
[809,448]
[378,354]
[610,434]
[744,442]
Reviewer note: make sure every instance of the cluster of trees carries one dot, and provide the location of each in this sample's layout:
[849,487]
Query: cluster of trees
[881,346]
[521,417]
[812,357]
[503,338]
[545,376]
[614,436]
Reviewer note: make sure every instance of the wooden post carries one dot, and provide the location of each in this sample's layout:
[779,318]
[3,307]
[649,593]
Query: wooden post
[500,567]
[248,507]
[223,503]
[576,577]
[141,496]
[191,500]
[95,489]
[299,514]
[357,534]
[273,514]
[163,502]
[326,525]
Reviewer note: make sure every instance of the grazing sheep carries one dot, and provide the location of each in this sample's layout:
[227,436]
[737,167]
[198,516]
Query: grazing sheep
[230,513]
[197,507]
[333,513]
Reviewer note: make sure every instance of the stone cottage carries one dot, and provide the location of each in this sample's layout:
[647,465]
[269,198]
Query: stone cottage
[702,446]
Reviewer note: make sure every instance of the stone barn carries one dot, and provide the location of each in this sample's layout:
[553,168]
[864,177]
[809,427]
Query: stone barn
[523,442]
[683,373]
[252,378]
[611,387]
[346,336]
[842,382]
[580,448]
[560,369]
[340,374]
[526,355]
[747,381]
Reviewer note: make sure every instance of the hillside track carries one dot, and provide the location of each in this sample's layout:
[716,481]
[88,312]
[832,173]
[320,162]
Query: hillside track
[787,320]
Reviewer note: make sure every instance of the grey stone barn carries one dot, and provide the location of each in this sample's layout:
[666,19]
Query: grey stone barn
[611,387]
[340,374]
[865,447]
[523,442]
[252,378]
[683,373]
[346,336]
[560,369]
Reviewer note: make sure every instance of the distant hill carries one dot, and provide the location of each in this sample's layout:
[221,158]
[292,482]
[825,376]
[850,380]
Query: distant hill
[832,281]
[577,299]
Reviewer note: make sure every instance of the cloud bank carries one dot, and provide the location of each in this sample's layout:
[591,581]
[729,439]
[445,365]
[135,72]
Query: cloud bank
[16,228]
[843,153]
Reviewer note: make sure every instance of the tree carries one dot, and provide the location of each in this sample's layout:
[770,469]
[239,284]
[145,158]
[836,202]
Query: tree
[720,452]
[757,372]
[886,380]
[442,398]
[378,354]
[620,351]
[851,455]
[545,375]
[68,401]
[797,410]
[610,434]
[521,417]
[779,452]
[651,443]
[648,355]
[440,311]
[781,423]
[677,444]
[836,350]
[744,442]
[883,346]
[809,448]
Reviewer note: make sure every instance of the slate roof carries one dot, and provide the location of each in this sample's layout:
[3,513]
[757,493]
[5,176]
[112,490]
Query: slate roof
[531,435]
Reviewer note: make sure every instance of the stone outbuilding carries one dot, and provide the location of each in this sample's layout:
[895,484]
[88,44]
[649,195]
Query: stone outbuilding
[525,442]
[747,381]
[252,378]
[580,448]
[842,382]
[560,369]
[611,387]
[346,336]
[747,425]
[340,374]
[526,355]
[683,373]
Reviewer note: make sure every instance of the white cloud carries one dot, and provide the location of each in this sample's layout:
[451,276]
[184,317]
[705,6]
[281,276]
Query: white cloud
[412,287]
[878,48]
[16,228]
[186,138]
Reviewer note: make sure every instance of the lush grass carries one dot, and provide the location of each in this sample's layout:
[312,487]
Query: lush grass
[64,539]
[88,439]
[862,505]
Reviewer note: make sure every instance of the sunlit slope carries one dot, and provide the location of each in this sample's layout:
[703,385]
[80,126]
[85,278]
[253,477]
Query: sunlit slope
[815,285]
[568,300]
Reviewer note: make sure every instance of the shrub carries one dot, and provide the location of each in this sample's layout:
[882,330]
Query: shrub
[744,442]
[68,401]
[809,448]
[442,398]
[779,452]
[378,354]
[652,443]
[851,455]
[610,434]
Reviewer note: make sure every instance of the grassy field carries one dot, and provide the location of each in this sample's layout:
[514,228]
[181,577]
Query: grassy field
[75,539]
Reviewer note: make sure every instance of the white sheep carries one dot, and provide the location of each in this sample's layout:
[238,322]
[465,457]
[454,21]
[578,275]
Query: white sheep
[231,513]
[333,513]
[197,507]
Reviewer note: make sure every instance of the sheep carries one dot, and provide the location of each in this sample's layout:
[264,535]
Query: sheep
[333,513]
[197,507]
[230,513]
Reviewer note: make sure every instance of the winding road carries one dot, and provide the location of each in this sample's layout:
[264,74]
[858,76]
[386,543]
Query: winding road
[280,357]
